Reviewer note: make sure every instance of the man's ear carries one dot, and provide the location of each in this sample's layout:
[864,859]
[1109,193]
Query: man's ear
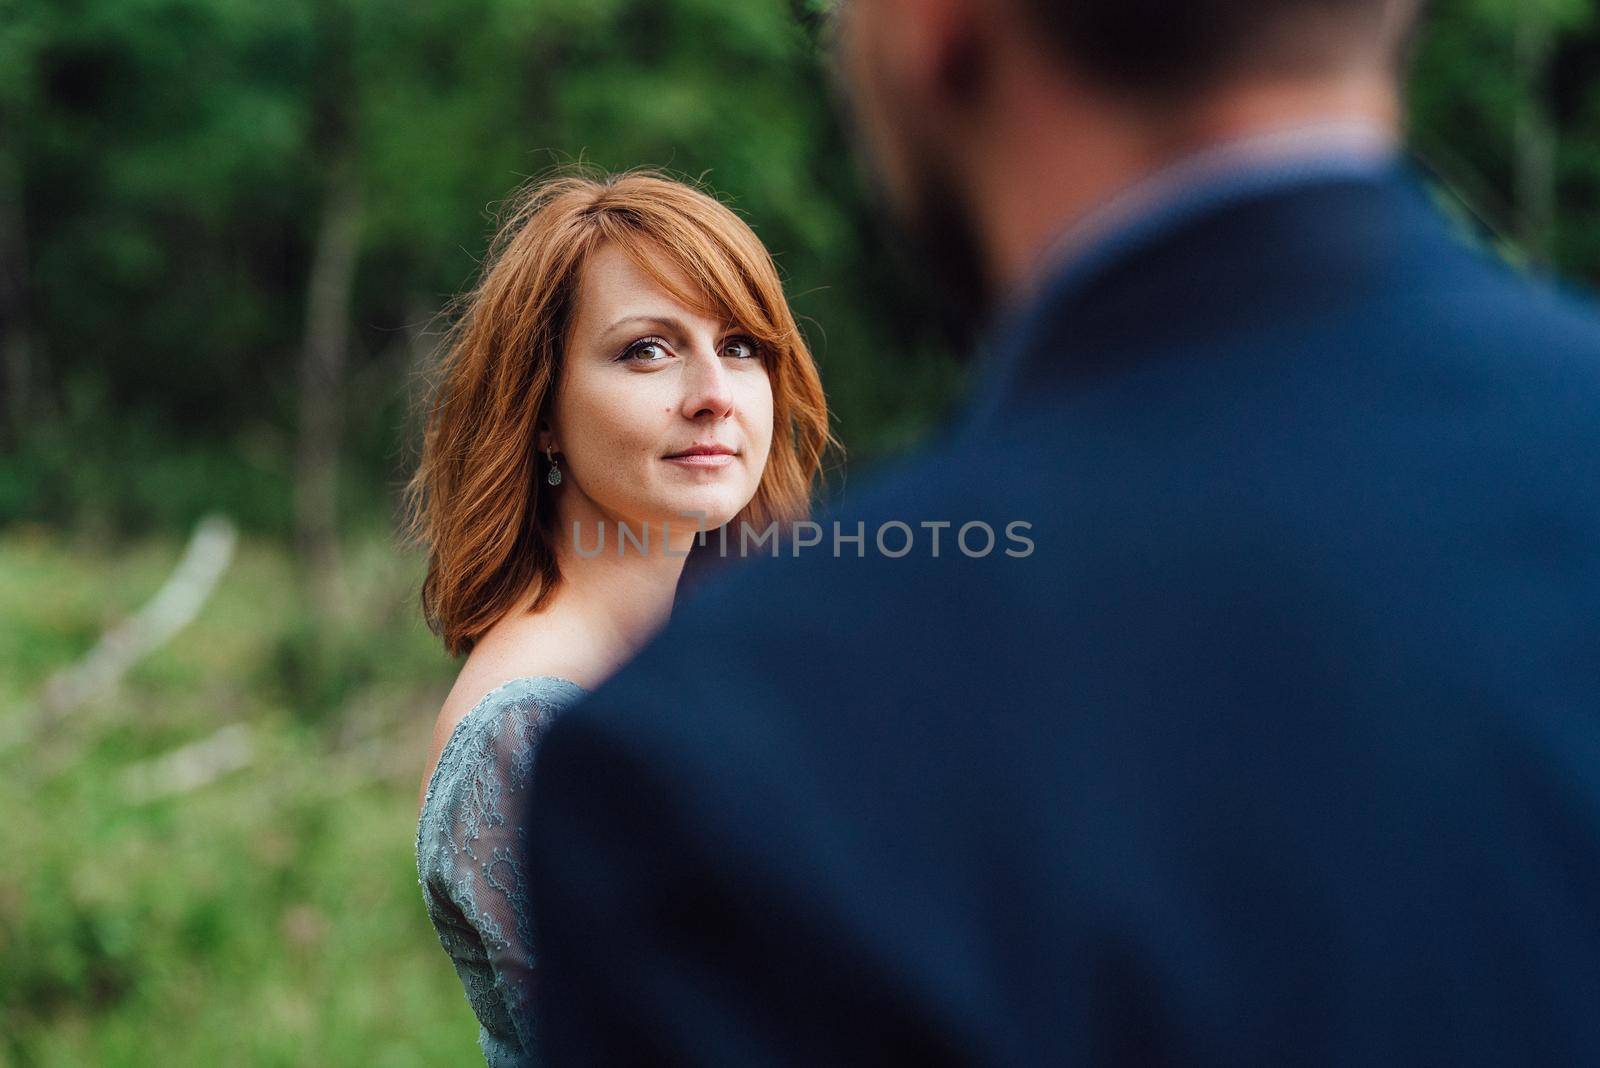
[925,47]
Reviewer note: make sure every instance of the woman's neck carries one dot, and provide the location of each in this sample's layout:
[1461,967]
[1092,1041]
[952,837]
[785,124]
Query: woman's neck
[618,590]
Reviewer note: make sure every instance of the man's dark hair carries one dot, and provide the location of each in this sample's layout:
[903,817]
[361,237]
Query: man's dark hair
[1160,48]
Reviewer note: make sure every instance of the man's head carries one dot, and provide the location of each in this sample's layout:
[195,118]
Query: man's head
[989,122]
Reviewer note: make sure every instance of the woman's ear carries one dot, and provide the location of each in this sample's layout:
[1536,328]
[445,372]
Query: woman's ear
[546,436]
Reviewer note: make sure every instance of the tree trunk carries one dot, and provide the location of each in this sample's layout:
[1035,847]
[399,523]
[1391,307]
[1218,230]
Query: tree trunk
[16,336]
[322,372]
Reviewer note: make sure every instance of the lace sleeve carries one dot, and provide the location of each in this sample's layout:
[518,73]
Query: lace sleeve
[472,856]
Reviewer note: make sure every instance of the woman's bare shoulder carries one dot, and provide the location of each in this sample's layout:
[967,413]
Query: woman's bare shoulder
[504,655]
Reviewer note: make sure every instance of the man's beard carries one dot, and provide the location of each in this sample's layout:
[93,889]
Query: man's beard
[937,239]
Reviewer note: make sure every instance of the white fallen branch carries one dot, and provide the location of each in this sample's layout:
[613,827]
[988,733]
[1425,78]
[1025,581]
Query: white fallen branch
[190,767]
[174,606]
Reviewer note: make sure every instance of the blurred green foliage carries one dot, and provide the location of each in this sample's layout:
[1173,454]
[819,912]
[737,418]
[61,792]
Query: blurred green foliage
[163,168]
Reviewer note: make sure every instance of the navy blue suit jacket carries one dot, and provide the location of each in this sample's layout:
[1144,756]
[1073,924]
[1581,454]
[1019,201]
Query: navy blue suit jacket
[1281,746]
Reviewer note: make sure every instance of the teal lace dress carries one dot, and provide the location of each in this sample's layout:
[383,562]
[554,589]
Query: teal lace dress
[472,857]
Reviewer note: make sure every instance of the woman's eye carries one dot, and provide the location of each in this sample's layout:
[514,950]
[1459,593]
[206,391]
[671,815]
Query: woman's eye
[740,348]
[648,350]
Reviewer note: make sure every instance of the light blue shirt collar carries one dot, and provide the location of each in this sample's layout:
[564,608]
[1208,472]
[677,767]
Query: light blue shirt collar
[1280,156]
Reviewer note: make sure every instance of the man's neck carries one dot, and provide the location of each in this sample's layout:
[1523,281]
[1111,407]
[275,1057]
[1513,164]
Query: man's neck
[1027,206]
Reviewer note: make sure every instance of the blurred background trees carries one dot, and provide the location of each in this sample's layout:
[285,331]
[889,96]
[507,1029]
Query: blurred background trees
[227,230]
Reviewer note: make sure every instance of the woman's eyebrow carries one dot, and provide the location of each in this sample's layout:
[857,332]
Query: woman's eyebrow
[665,321]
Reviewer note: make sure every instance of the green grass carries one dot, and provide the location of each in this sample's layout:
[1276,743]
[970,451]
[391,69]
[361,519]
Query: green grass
[271,917]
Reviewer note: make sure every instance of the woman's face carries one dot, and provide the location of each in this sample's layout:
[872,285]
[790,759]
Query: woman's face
[645,380]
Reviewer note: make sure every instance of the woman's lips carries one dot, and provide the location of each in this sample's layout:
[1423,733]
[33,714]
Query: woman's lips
[703,459]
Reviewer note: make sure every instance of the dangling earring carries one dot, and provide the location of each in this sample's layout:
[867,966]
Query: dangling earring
[554,477]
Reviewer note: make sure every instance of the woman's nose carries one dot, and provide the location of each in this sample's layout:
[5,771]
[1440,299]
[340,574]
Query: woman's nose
[707,386]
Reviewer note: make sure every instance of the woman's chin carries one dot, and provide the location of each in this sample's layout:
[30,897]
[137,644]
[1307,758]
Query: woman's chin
[711,508]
